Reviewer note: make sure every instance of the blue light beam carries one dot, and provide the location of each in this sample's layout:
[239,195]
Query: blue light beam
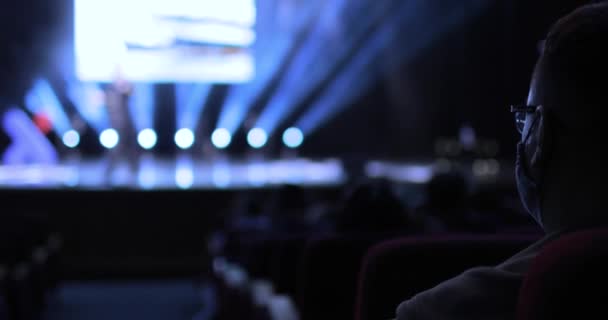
[190,100]
[41,99]
[28,144]
[420,21]
[270,53]
[240,99]
[88,98]
[142,104]
[325,47]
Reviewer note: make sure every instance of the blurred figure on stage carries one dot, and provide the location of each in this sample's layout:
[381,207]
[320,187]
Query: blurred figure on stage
[117,95]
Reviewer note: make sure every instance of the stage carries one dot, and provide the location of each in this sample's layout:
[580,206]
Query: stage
[183,172]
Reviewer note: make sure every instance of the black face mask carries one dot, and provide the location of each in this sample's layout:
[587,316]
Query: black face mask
[529,190]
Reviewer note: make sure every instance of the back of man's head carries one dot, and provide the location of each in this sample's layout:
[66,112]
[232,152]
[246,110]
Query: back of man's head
[574,63]
[571,82]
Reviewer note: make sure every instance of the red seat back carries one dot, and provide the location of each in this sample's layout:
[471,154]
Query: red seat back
[568,279]
[397,270]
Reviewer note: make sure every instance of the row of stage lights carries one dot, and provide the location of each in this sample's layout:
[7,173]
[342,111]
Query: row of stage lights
[184,138]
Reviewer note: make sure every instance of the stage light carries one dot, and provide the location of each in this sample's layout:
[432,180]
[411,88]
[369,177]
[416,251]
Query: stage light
[221,138]
[109,138]
[184,138]
[293,138]
[147,139]
[257,138]
[71,139]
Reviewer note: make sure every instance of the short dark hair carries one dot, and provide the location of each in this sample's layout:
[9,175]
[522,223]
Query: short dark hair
[576,54]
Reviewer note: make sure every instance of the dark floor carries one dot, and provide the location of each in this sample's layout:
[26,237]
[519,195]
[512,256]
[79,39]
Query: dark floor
[150,300]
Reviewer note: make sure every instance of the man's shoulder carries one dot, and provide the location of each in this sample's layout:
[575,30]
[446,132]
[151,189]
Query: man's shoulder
[479,293]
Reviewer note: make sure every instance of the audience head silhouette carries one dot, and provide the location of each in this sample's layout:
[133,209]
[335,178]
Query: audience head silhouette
[447,192]
[561,170]
[373,207]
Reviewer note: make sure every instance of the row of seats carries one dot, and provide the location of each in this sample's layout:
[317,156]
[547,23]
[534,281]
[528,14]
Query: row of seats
[344,277]
[29,266]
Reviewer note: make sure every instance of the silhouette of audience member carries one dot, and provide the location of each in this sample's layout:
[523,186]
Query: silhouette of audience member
[288,208]
[446,208]
[248,215]
[372,207]
[560,169]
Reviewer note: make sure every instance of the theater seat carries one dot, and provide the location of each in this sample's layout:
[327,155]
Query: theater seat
[395,271]
[328,276]
[285,262]
[4,307]
[568,279]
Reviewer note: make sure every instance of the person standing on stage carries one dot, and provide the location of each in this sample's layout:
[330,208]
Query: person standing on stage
[117,95]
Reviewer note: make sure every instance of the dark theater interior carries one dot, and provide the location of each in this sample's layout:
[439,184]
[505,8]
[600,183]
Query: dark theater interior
[303,159]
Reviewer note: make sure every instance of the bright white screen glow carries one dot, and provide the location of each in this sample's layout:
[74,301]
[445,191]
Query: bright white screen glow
[165,40]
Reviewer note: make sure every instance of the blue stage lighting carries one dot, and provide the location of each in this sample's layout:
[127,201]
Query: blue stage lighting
[147,176]
[184,138]
[257,138]
[109,138]
[141,106]
[314,50]
[41,99]
[71,139]
[419,18]
[221,138]
[88,98]
[272,49]
[190,101]
[28,144]
[293,138]
[184,178]
[147,139]
[241,98]
[221,175]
